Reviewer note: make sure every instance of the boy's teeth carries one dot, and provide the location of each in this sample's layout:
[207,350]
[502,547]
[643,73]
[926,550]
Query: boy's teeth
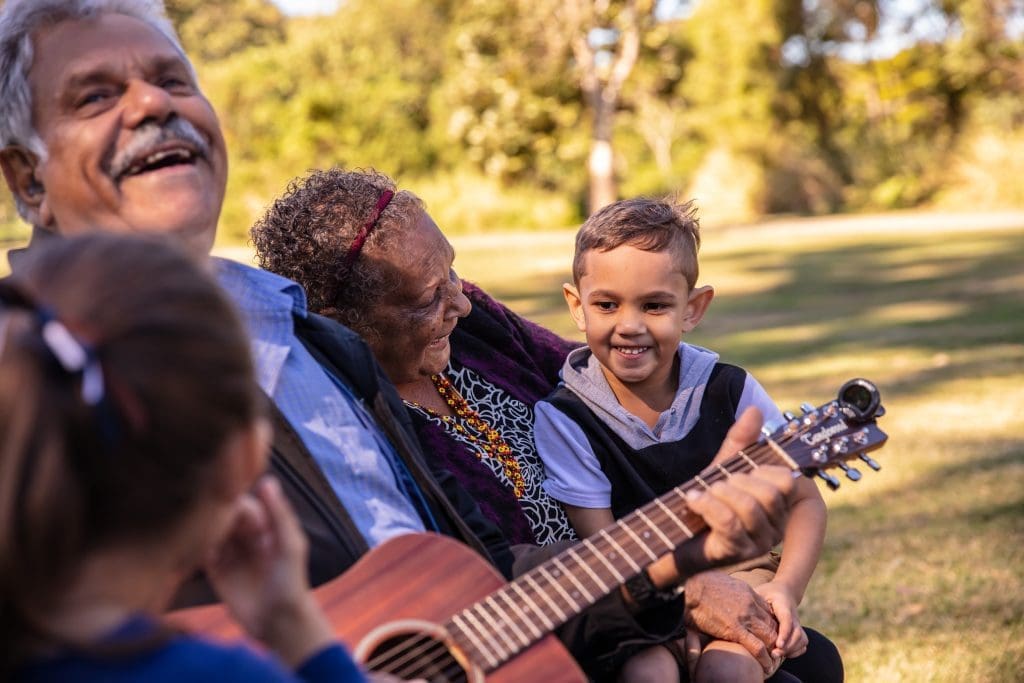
[632,350]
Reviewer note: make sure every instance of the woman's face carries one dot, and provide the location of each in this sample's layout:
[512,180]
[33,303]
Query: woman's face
[413,319]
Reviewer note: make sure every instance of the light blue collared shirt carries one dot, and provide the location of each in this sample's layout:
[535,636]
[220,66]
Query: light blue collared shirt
[339,432]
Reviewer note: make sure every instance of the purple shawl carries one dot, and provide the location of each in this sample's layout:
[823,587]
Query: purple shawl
[516,355]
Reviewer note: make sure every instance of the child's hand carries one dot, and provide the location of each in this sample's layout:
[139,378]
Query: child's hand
[792,641]
[259,571]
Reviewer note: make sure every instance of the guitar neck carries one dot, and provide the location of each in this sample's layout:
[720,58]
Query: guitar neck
[533,605]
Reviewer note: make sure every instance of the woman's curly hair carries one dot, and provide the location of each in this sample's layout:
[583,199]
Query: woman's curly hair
[306,233]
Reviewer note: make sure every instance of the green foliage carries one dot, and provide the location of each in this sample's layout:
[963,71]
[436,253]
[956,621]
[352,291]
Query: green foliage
[473,203]
[508,103]
[350,90]
[214,29]
[12,228]
[901,121]
[750,106]
[731,81]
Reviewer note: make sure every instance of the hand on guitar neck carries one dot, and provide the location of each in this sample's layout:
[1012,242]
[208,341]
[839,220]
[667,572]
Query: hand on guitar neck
[745,515]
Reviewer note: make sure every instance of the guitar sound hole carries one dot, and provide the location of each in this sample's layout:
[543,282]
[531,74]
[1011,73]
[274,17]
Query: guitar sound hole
[416,655]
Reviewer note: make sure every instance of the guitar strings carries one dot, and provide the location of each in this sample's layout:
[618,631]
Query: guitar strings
[420,662]
[444,666]
[410,648]
[410,651]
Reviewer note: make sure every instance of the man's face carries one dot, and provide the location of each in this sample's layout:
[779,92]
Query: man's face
[134,146]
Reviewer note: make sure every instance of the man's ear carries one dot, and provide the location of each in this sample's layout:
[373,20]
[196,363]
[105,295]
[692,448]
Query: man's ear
[697,306]
[572,297]
[19,167]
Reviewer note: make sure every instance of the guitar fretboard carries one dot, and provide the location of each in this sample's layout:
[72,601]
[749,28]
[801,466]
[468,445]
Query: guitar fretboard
[498,627]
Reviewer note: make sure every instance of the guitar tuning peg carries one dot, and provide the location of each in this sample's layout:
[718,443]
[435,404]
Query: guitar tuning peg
[870,462]
[807,408]
[788,415]
[829,480]
[852,473]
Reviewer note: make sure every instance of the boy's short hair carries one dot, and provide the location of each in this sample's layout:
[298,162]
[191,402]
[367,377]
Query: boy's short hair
[647,224]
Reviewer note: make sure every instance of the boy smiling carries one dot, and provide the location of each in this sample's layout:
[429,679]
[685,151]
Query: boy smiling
[639,412]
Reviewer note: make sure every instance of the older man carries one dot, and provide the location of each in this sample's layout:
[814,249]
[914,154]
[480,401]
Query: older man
[103,127]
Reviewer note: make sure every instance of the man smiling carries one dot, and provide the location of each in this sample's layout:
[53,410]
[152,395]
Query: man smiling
[120,135]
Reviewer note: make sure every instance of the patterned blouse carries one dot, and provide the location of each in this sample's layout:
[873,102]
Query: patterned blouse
[514,421]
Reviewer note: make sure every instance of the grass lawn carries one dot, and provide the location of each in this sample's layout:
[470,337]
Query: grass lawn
[922,575]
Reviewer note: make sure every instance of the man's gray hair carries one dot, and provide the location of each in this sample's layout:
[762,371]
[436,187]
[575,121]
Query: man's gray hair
[19,19]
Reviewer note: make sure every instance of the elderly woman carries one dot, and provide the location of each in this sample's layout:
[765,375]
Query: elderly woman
[371,257]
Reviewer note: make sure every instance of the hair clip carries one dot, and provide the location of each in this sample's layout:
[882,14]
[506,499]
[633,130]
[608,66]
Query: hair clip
[357,244]
[74,356]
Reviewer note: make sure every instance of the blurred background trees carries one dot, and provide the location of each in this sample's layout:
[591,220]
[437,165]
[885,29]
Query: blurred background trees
[525,113]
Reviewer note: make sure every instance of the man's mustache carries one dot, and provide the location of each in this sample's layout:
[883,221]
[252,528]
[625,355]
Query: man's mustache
[149,135]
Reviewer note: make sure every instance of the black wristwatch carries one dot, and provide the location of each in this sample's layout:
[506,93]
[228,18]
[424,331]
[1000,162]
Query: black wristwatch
[646,594]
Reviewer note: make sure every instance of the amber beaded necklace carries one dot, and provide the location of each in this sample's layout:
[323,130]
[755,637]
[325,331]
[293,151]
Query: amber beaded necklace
[479,432]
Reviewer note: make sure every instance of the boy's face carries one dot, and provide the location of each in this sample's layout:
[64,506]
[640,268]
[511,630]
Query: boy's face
[634,307]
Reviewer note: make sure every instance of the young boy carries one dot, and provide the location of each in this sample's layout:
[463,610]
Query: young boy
[640,412]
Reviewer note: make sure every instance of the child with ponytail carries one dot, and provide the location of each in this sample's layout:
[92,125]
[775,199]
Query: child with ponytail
[132,442]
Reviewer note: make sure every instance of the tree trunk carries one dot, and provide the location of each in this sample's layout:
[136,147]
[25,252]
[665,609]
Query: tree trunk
[601,85]
[601,165]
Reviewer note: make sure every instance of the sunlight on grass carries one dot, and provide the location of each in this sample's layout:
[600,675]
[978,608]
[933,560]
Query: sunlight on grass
[897,273]
[917,311]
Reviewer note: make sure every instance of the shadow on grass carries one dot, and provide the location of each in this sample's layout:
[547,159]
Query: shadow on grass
[949,482]
[842,290]
[912,294]
[937,559]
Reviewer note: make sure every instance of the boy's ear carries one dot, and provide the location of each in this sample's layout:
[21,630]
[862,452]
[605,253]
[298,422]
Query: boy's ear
[19,167]
[572,297]
[697,306]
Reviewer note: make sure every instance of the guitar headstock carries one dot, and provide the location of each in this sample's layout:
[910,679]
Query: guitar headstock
[829,435]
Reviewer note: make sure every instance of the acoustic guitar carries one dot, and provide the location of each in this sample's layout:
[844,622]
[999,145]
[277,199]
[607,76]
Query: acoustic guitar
[423,606]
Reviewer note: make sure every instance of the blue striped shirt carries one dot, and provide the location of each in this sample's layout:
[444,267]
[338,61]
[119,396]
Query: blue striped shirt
[336,428]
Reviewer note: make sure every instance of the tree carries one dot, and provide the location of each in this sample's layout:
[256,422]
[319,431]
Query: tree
[506,99]
[352,90]
[214,29]
[519,82]
[657,111]
[605,39]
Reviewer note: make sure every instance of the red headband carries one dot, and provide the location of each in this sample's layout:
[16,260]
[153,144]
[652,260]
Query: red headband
[364,232]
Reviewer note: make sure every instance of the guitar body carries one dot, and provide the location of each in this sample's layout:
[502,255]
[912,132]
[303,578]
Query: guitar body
[411,584]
